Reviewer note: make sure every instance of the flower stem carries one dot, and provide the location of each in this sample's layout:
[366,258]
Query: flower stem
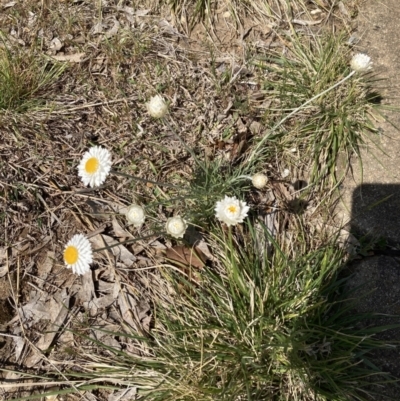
[166,122]
[161,184]
[130,241]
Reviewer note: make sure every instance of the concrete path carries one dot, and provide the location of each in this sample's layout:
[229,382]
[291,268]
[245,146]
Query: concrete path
[373,200]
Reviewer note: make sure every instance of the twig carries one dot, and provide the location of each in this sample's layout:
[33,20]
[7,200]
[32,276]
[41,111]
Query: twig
[88,105]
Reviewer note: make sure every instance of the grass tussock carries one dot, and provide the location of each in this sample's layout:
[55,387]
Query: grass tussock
[262,328]
[25,75]
[340,118]
[251,328]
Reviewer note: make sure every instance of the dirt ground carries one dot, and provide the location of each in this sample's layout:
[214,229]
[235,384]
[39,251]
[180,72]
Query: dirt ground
[105,97]
[378,27]
[371,199]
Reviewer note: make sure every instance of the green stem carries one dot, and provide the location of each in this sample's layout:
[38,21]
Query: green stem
[177,198]
[129,241]
[190,151]
[161,184]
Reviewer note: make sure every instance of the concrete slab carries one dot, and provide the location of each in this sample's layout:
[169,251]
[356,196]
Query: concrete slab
[372,199]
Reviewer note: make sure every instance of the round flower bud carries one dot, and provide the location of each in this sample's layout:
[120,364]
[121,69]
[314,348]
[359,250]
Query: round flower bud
[360,62]
[176,227]
[157,107]
[135,215]
[259,180]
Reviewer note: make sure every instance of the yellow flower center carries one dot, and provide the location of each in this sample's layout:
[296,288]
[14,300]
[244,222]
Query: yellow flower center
[232,209]
[177,226]
[92,165]
[71,255]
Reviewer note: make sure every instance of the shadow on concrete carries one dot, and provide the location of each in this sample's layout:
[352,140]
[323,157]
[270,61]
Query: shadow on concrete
[376,213]
[376,224]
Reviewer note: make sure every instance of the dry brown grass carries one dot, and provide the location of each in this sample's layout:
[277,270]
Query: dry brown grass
[124,58]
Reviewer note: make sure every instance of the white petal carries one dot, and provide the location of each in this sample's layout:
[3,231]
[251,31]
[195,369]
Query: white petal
[97,178]
[82,244]
[224,214]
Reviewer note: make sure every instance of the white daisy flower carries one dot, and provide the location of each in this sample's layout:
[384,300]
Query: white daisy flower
[259,180]
[157,107]
[231,211]
[95,166]
[176,227]
[78,254]
[135,215]
[360,62]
